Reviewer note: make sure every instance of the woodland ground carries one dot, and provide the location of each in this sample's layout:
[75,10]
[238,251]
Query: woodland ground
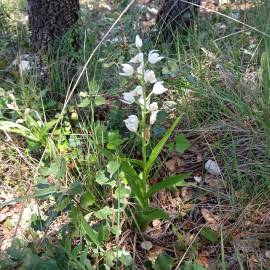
[218,75]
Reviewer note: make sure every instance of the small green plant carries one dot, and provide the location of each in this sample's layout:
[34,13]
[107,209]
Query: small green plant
[31,125]
[138,172]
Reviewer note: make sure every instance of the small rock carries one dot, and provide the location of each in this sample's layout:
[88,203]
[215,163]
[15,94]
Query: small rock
[198,179]
[267,254]
[147,245]
[212,167]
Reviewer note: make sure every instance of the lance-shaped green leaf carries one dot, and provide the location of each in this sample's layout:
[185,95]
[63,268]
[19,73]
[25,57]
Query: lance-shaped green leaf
[158,148]
[178,180]
[136,184]
[90,232]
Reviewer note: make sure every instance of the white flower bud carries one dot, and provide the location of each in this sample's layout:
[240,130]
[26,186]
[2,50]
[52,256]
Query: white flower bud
[138,42]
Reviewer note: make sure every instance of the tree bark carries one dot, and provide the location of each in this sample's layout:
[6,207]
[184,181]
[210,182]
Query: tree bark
[176,15]
[50,19]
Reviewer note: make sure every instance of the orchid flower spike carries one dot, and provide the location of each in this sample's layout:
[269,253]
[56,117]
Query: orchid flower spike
[158,88]
[153,57]
[128,70]
[132,123]
[138,42]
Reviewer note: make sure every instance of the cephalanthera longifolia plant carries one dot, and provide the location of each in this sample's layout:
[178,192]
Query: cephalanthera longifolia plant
[137,172]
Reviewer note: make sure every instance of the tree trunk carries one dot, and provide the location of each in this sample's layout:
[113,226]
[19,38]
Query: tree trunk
[176,15]
[50,19]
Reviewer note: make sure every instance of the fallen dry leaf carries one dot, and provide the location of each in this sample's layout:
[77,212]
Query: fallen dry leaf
[174,164]
[187,194]
[156,222]
[203,260]
[212,220]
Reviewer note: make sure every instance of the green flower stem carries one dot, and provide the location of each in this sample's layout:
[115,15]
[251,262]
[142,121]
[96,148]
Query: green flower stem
[143,129]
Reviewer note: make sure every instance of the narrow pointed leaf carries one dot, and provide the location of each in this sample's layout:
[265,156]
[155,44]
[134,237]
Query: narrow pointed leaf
[168,182]
[135,183]
[150,214]
[158,148]
[90,232]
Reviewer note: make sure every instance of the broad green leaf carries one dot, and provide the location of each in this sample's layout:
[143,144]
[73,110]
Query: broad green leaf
[209,235]
[125,257]
[101,178]
[158,148]
[181,143]
[63,203]
[58,169]
[112,167]
[109,258]
[122,193]
[85,102]
[76,188]
[114,140]
[18,129]
[136,184]
[100,100]
[164,262]
[90,232]
[150,214]
[103,231]
[87,199]
[134,161]
[168,182]
[103,213]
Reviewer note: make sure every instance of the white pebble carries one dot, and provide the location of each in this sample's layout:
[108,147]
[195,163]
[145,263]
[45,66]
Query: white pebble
[212,167]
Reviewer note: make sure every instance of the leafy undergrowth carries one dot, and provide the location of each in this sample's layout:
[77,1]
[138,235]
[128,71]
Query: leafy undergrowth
[83,189]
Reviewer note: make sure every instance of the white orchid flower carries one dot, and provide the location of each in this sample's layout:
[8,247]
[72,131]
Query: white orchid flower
[159,88]
[153,57]
[149,76]
[132,123]
[138,91]
[128,98]
[141,101]
[153,108]
[153,117]
[137,59]
[138,42]
[128,70]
